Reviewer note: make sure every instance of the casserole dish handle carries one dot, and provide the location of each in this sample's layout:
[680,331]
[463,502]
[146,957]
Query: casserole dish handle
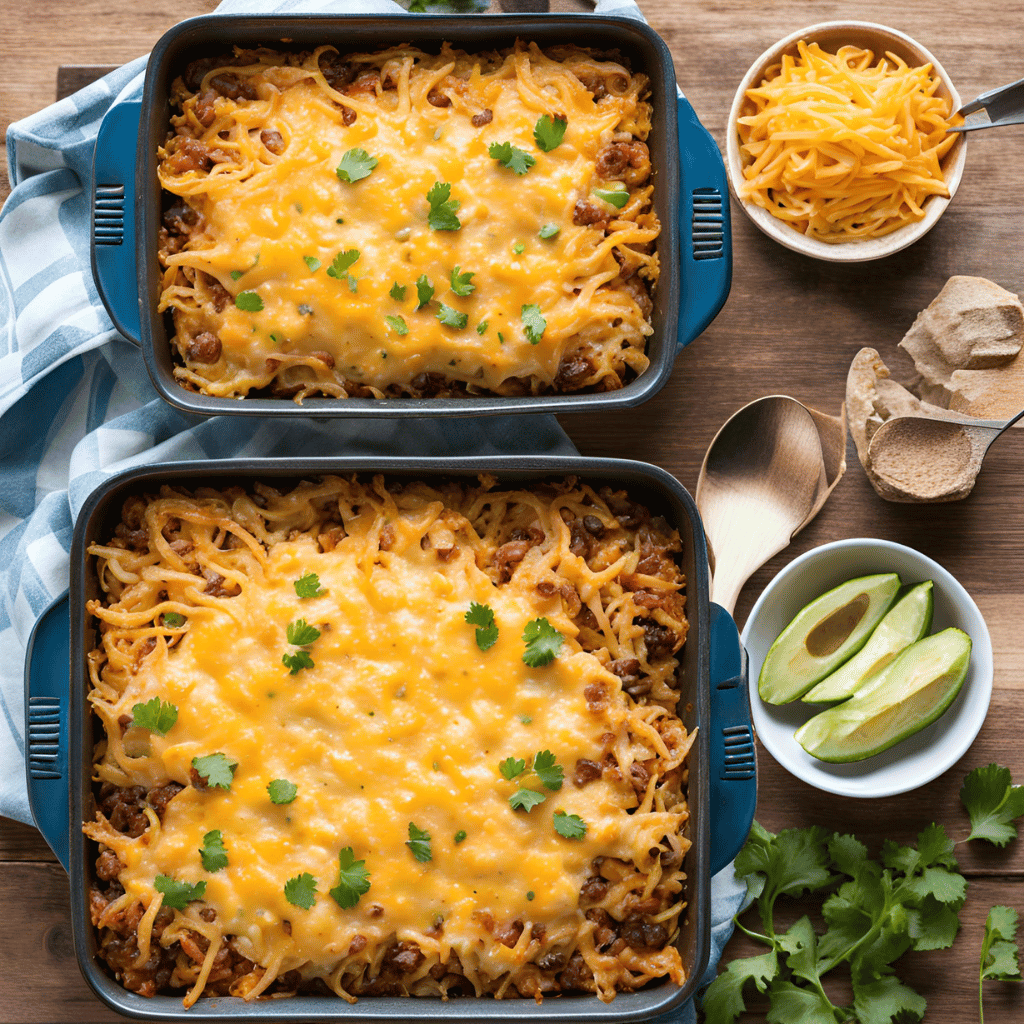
[113,217]
[705,256]
[47,705]
[733,773]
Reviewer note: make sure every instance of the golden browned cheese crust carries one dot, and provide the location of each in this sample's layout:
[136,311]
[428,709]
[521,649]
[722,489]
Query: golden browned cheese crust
[515,823]
[403,223]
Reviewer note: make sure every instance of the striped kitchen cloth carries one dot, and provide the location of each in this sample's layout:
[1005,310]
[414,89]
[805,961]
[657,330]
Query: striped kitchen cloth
[77,405]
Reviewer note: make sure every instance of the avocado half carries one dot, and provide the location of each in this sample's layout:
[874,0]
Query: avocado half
[904,623]
[823,635]
[910,693]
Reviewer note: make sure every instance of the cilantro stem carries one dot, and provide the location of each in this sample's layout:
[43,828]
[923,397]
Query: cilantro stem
[767,940]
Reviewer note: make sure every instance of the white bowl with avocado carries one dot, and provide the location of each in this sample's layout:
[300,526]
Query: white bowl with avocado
[906,614]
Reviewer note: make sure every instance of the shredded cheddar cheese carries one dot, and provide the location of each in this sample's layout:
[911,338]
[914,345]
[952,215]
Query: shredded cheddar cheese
[388,742]
[842,148]
[405,166]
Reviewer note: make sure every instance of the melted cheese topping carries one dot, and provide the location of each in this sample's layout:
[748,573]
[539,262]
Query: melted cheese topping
[842,148]
[266,216]
[400,719]
[403,718]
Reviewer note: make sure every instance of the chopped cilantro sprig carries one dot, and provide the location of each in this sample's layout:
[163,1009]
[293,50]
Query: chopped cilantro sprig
[353,880]
[482,616]
[355,165]
[543,642]
[308,585]
[215,769]
[549,132]
[419,843]
[156,715]
[178,895]
[515,159]
[300,891]
[213,853]
[443,209]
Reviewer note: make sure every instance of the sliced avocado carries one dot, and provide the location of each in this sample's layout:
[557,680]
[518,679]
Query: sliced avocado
[910,693]
[905,623]
[823,635]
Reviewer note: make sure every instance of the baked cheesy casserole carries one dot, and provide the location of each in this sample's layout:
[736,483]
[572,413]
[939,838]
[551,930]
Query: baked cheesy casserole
[408,224]
[373,738]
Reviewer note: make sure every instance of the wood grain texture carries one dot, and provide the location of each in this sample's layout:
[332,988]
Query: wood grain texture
[790,326]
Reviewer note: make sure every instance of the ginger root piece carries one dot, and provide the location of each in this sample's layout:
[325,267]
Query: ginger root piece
[966,349]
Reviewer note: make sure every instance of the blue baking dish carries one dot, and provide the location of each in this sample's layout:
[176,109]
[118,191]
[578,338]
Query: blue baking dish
[691,197]
[722,778]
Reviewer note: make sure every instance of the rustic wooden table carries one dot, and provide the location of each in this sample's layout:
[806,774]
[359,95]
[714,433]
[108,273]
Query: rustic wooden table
[791,326]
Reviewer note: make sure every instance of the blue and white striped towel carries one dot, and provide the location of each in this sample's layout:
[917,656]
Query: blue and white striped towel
[77,405]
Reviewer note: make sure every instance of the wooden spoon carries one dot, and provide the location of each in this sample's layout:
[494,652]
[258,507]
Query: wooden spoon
[765,476]
[923,459]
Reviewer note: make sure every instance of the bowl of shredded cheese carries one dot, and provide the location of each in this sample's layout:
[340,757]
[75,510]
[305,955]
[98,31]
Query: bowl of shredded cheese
[838,145]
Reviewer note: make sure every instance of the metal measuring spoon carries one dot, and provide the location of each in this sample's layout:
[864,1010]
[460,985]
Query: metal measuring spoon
[765,476]
[921,459]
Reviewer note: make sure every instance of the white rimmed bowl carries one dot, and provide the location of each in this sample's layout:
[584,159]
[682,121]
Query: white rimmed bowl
[831,35]
[923,756]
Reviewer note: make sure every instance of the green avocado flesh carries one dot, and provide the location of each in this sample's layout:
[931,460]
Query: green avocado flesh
[823,635]
[910,693]
[906,622]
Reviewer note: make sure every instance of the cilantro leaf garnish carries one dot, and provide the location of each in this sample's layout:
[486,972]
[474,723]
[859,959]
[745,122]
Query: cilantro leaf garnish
[213,853]
[525,719]
[723,1000]
[397,292]
[460,836]
[569,826]
[548,770]
[313,263]
[419,843]
[173,619]
[548,133]
[993,803]
[526,799]
[339,268]
[511,767]
[249,302]
[452,317]
[353,880]
[543,642]
[301,634]
[424,291]
[236,274]
[397,324]
[519,248]
[998,951]
[549,231]
[482,616]
[282,791]
[534,324]
[481,328]
[300,891]
[308,585]
[355,165]
[178,895]
[156,715]
[512,157]
[296,662]
[216,769]
[617,197]
[442,208]
[461,282]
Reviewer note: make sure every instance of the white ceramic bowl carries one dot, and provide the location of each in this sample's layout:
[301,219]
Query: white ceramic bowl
[916,760]
[831,35]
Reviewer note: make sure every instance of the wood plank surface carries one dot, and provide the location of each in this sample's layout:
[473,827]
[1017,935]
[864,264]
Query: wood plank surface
[791,325]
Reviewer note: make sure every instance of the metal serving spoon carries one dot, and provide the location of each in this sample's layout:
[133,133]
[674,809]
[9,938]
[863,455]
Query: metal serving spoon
[930,460]
[765,476]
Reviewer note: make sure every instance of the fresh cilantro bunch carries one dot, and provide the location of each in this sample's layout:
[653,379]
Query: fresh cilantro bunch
[907,899]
